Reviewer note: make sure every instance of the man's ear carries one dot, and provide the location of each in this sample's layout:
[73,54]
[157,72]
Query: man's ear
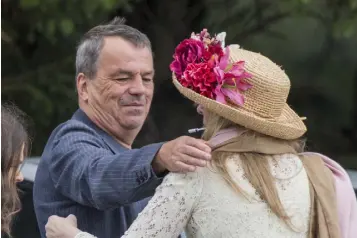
[82,87]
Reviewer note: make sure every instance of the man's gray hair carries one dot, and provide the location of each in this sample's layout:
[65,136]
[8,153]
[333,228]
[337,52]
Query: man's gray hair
[91,44]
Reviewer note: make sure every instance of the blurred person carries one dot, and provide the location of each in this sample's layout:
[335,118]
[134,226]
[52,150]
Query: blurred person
[260,182]
[14,147]
[88,168]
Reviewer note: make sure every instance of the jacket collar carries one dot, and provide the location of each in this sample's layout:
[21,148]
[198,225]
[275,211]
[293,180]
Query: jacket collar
[116,147]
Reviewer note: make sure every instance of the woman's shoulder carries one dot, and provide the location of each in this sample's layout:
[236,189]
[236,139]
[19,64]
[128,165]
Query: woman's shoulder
[185,177]
[190,181]
[188,185]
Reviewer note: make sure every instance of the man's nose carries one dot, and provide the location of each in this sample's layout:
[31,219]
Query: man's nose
[137,86]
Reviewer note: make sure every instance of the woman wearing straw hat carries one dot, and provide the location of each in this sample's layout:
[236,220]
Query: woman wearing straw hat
[259,182]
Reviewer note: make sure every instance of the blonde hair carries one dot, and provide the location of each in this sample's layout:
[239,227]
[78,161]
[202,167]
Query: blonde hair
[255,166]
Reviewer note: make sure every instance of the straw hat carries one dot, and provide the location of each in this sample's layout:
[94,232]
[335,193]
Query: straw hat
[265,109]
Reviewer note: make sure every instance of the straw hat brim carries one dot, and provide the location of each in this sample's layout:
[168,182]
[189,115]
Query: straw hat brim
[288,126]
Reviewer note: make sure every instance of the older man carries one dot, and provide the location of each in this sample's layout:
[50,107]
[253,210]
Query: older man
[88,167]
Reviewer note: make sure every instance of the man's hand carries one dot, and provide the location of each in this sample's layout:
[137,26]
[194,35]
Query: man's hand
[60,227]
[183,154]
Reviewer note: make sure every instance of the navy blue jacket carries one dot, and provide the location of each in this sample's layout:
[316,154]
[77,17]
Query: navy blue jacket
[85,172]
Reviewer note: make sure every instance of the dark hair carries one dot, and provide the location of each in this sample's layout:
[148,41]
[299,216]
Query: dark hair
[91,44]
[13,137]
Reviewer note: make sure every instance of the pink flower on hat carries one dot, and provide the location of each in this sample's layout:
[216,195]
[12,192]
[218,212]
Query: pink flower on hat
[201,64]
[230,78]
[188,51]
[200,78]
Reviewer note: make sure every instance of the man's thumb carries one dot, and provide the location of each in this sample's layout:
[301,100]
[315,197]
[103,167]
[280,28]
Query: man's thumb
[72,219]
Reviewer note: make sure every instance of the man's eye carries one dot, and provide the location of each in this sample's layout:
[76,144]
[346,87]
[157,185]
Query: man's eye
[122,79]
[147,79]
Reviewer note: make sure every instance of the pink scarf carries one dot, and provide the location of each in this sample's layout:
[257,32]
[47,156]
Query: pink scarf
[346,200]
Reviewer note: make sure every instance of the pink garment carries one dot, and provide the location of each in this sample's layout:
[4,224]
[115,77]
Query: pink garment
[346,198]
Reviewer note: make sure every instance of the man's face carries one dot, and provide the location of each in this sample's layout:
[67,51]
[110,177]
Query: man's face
[123,88]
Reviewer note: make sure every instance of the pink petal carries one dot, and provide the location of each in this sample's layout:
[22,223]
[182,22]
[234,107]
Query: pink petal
[229,77]
[212,62]
[230,81]
[239,64]
[176,68]
[224,60]
[234,96]
[219,73]
[237,70]
[242,85]
[247,75]
[204,33]
[220,96]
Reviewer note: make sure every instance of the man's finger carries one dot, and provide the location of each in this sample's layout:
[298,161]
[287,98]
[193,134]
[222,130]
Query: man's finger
[73,219]
[194,161]
[52,217]
[199,144]
[183,168]
[197,153]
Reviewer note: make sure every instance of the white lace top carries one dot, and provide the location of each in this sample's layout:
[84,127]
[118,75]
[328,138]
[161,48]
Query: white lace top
[204,205]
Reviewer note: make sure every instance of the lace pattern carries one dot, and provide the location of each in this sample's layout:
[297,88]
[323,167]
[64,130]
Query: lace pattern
[84,235]
[204,204]
[169,210]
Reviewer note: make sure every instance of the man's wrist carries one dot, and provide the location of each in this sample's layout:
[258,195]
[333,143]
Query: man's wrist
[157,165]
